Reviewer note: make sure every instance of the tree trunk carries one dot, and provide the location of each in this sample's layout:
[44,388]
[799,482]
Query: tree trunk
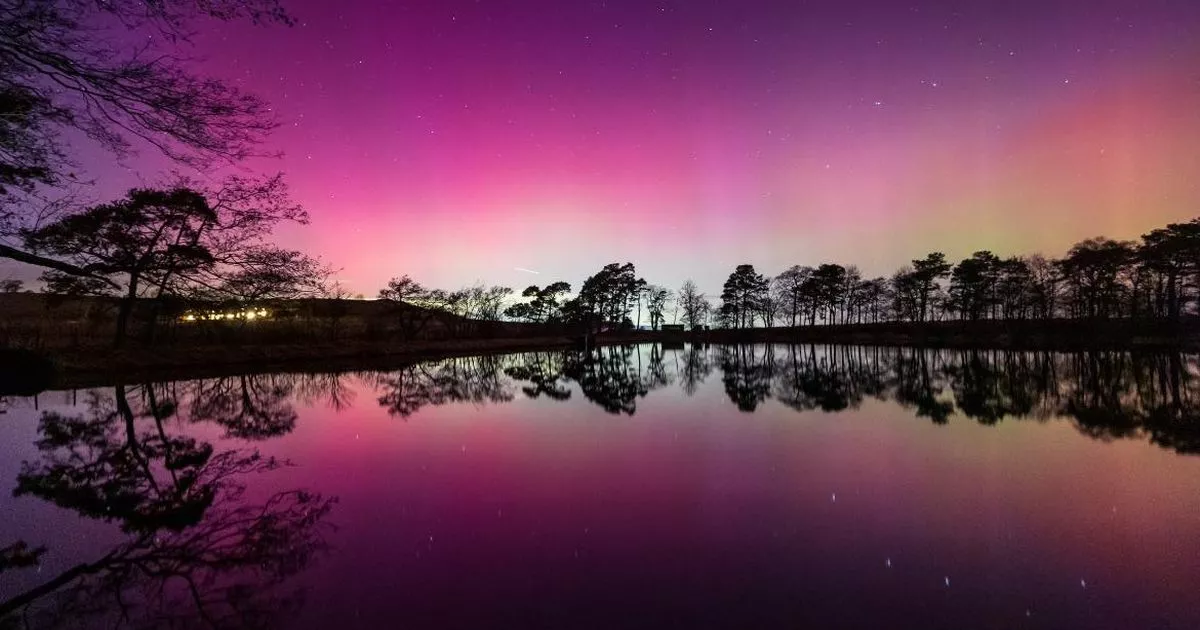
[1172,296]
[125,309]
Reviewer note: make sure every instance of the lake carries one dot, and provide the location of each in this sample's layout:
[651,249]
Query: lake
[634,487]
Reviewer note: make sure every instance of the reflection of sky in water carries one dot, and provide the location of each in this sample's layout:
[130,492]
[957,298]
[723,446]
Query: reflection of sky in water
[689,512]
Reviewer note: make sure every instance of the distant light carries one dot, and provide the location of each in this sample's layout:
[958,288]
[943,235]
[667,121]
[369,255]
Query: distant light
[247,314]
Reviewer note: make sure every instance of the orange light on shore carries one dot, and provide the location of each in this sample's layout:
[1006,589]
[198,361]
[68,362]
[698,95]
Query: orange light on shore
[247,314]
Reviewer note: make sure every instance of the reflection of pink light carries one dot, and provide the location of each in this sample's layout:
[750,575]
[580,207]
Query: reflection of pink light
[686,477]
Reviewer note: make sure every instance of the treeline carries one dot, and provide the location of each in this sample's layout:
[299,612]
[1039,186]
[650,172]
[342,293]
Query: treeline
[1099,278]
[613,297]
[173,250]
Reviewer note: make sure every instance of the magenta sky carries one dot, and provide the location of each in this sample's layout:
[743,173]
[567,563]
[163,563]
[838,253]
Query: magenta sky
[458,140]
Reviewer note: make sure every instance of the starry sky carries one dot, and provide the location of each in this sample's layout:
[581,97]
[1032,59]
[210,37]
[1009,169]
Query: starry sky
[465,140]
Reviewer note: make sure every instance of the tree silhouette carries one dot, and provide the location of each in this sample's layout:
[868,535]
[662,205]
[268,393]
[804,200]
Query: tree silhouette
[742,295]
[925,274]
[607,296]
[149,235]
[1092,271]
[1173,252]
[829,283]
[657,299]
[203,244]
[417,305]
[973,285]
[114,90]
[788,287]
[543,304]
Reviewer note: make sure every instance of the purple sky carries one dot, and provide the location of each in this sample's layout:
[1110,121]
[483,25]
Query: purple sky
[458,141]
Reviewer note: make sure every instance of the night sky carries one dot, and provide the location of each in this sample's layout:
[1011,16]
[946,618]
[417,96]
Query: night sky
[460,140]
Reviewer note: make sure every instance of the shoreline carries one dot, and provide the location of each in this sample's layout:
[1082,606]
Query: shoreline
[97,367]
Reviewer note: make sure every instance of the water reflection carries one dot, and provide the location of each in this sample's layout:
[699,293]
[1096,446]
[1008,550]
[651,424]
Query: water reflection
[476,380]
[1107,395]
[195,548]
[204,528]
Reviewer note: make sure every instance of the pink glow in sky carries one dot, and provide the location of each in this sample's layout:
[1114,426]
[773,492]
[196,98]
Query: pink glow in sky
[457,141]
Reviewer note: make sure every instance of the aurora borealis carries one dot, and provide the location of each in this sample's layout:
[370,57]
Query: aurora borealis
[461,140]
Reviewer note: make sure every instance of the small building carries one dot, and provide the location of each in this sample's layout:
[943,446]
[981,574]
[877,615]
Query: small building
[672,327]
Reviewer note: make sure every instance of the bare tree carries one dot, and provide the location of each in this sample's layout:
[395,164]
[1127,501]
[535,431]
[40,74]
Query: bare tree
[695,305]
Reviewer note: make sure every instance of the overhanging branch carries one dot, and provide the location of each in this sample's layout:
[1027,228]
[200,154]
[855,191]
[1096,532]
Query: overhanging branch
[13,253]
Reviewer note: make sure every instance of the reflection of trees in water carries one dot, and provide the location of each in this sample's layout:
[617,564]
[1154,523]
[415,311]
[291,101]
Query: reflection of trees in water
[1106,395]
[610,376]
[746,373]
[694,368]
[989,385]
[1166,385]
[253,407]
[915,387]
[476,380]
[196,552]
[613,377]
[829,381]
[544,373]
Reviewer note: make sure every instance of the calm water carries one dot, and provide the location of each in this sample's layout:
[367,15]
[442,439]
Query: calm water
[746,487]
